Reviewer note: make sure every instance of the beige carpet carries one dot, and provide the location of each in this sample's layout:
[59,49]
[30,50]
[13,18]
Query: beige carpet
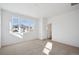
[35,47]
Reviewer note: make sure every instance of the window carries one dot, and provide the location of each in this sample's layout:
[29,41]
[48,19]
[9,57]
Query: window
[20,26]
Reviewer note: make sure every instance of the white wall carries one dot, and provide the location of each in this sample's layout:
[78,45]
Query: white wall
[40,28]
[7,38]
[43,28]
[65,28]
[0,28]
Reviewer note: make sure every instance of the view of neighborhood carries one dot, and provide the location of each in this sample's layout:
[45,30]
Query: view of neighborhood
[20,25]
[22,28]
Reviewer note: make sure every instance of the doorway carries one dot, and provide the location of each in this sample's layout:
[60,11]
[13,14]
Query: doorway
[0,28]
[49,31]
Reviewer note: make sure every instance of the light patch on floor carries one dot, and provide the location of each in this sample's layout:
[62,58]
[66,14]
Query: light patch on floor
[48,48]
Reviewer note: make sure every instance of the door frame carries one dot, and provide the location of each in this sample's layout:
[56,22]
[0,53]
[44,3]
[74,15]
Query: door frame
[0,27]
[50,24]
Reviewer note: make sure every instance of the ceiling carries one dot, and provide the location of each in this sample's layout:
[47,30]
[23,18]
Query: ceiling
[39,9]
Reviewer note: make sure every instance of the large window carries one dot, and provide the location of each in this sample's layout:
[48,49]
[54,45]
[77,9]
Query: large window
[20,25]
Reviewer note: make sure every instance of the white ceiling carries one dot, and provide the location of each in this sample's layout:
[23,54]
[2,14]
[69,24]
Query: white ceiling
[39,9]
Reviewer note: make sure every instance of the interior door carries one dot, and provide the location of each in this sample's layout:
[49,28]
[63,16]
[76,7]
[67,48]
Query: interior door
[0,28]
[49,31]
